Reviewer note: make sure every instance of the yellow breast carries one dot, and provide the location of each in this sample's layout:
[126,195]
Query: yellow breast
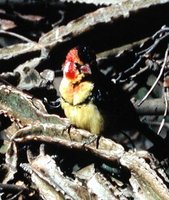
[81,114]
[85,116]
[75,94]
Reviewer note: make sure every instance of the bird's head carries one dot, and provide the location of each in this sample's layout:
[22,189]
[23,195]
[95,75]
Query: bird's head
[78,63]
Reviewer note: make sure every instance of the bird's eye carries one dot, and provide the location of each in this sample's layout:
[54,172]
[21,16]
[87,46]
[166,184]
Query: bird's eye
[85,69]
[77,65]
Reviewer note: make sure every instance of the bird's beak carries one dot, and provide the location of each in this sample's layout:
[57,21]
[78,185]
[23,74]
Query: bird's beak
[85,69]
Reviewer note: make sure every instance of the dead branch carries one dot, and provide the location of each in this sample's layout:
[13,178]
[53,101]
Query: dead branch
[151,107]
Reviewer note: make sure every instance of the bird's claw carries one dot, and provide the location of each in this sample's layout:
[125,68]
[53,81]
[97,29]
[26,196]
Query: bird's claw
[67,129]
[92,139]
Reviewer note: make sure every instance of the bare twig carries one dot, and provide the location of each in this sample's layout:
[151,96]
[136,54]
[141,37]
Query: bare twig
[162,30]
[158,78]
[151,107]
[165,114]
[124,76]
[62,16]
[12,188]
[16,35]
[154,45]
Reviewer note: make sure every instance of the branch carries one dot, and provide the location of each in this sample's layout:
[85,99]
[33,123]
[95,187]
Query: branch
[151,107]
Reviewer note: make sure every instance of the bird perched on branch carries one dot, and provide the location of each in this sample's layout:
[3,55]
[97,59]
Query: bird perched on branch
[93,102]
[90,100]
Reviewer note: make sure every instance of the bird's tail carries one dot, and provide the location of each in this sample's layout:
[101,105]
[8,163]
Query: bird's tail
[160,145]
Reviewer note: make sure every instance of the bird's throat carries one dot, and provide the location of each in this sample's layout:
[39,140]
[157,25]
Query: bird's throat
[76,93]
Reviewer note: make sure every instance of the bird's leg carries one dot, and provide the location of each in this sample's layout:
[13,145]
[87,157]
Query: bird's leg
[92,139]
[68,128]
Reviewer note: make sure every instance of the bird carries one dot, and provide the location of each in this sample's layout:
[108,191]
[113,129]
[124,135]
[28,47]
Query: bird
[89,99]
[93,102]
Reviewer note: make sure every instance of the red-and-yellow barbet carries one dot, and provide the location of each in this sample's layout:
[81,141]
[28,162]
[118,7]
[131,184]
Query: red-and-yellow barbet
[93,102]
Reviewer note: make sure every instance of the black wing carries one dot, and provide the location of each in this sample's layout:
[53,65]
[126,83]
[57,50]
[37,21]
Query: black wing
[115,104]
